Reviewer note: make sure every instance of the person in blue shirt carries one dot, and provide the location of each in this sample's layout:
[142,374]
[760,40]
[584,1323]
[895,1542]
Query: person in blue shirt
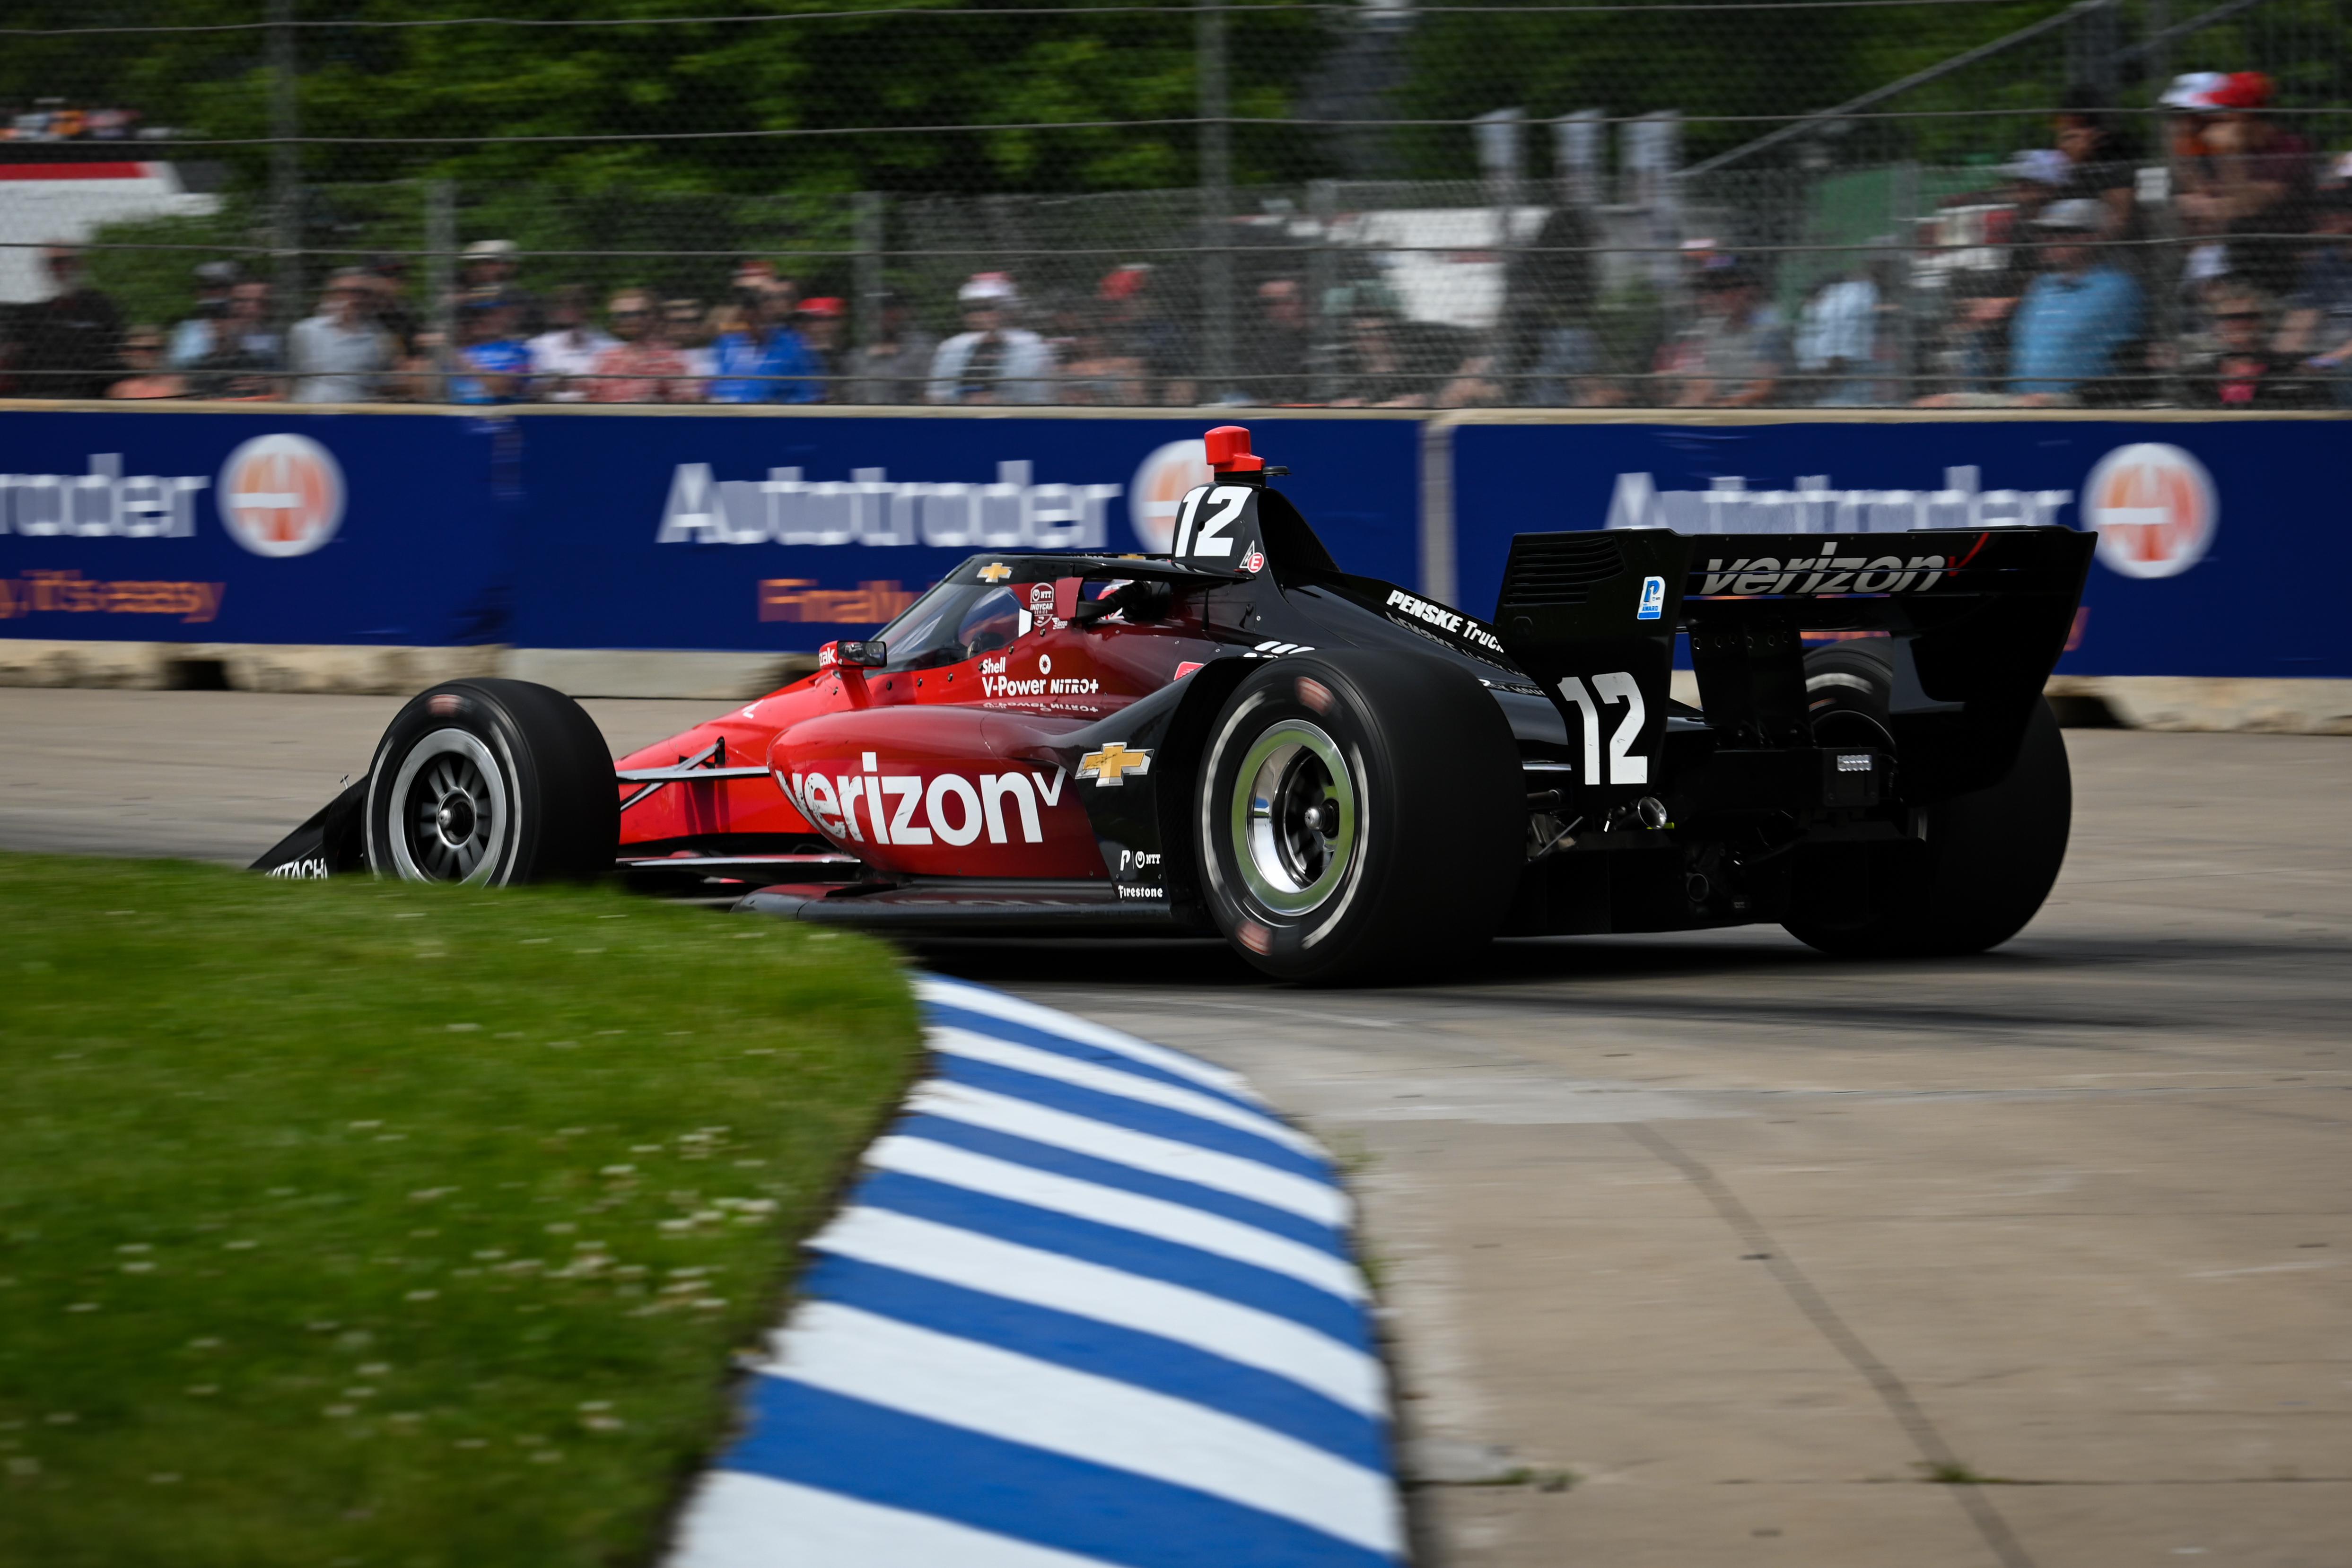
[766,362]
[2078,314]
[500,361]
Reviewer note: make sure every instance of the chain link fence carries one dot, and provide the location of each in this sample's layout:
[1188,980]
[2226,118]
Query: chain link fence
[1366,202]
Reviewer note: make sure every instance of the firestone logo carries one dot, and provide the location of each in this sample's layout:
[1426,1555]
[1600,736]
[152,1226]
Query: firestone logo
[1162,481]
[282,495]
[2153,508]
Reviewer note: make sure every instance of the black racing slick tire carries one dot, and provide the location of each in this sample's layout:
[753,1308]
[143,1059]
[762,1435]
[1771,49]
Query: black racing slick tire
[1984,862]
[1360,813]
[492,783]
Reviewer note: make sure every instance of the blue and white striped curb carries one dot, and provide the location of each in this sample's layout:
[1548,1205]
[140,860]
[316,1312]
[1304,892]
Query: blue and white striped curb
[1090,1303]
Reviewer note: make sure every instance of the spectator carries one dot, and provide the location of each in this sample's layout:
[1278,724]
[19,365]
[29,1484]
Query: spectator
[1378,369]
[819,322]
[2190,170]
[2247,373]
[1093,373]
[1545,349]
[489,267]
[1735,354]
[988,361]
[418,377]
[142,354]
[764,361]
[2078,316]
[1141,328]
[492,351]
[339,355]
[1278,346]
[2101,166]
[387,283]
[192,339]
[69,344]
[1836,343]
[247,326]
[643,367]
[691,333]
[1984,303]
[2319,324]
[568,349]
[231,372]
[893,367]
[2260,185]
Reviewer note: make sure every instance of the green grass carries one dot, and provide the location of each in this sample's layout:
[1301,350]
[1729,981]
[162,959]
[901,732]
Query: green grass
[357,1223]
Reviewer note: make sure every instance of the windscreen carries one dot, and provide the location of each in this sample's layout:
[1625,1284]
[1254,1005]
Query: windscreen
[952,623]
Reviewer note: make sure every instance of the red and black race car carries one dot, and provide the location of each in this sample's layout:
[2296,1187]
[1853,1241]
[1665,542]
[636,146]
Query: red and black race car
[1338,775]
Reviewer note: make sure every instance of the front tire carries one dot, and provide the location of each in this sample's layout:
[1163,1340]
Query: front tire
[1359,811]
[1988,860]
[491,783]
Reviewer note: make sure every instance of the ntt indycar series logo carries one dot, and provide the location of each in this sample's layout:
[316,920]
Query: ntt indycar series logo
[869,507]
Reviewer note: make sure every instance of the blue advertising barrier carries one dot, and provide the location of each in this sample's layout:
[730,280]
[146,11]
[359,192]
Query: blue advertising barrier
[261,526]
[783,530]
[2223,541]
[746,530]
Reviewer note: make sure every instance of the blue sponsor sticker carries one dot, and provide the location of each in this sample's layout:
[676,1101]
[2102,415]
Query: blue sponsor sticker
[1654,597]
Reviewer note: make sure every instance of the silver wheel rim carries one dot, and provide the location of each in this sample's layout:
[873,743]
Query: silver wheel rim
[448,820]
[1295,818]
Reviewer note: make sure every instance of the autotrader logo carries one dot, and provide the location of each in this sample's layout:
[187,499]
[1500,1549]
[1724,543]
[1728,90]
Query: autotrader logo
[282,495]
[1161,481]
[2153,508]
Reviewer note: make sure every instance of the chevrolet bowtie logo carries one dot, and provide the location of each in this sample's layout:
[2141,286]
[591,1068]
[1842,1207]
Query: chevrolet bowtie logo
[995,571]
[1107,766]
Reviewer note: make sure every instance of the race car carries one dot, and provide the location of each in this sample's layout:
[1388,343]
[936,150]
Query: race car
[1344,778]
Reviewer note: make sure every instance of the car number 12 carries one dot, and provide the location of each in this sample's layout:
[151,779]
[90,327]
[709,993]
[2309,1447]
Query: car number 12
[1615,686]
[1210,540]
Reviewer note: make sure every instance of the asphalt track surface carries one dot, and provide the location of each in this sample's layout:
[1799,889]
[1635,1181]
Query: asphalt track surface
[1709,1250]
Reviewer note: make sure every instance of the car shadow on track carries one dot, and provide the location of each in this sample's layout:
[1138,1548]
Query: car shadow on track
[1211,963]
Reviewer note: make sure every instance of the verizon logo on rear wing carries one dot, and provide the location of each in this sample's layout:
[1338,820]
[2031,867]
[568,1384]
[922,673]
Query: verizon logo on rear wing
[1816,566]
[1820,574]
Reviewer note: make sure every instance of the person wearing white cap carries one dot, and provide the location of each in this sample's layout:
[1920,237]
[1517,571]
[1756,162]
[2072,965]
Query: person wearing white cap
[2078,316]
[989,363]
[2191,92]
[487,266]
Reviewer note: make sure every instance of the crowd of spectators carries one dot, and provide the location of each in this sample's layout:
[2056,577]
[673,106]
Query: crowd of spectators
[2065,288]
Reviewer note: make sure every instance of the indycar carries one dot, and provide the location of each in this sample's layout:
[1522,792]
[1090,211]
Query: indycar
[1342,778]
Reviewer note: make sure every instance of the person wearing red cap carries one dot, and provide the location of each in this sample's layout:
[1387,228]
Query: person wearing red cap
[2260,190]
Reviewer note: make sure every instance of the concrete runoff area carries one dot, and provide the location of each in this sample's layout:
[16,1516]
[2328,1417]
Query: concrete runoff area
[1708,1250]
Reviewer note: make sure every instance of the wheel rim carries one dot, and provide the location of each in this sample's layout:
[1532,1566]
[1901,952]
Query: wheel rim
[449,820]
[1294,819]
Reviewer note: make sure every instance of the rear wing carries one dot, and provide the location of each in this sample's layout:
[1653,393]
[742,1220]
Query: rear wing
[1976,619]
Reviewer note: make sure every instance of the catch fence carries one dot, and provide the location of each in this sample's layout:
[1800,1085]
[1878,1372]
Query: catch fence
[1773,203]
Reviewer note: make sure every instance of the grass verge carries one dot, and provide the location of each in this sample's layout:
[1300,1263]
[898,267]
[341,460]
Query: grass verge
[366,1224]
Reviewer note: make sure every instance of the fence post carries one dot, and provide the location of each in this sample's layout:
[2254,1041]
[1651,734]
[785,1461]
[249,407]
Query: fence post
[441,274]
[868,240]
[285,166]
[1322,279]
[1217,202]
[1902,197]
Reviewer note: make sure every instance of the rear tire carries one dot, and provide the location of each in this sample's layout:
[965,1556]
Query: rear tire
[490,783]
[1360,812]
[1988,857]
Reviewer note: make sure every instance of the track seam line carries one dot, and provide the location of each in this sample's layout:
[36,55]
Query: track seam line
[1891,1389]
